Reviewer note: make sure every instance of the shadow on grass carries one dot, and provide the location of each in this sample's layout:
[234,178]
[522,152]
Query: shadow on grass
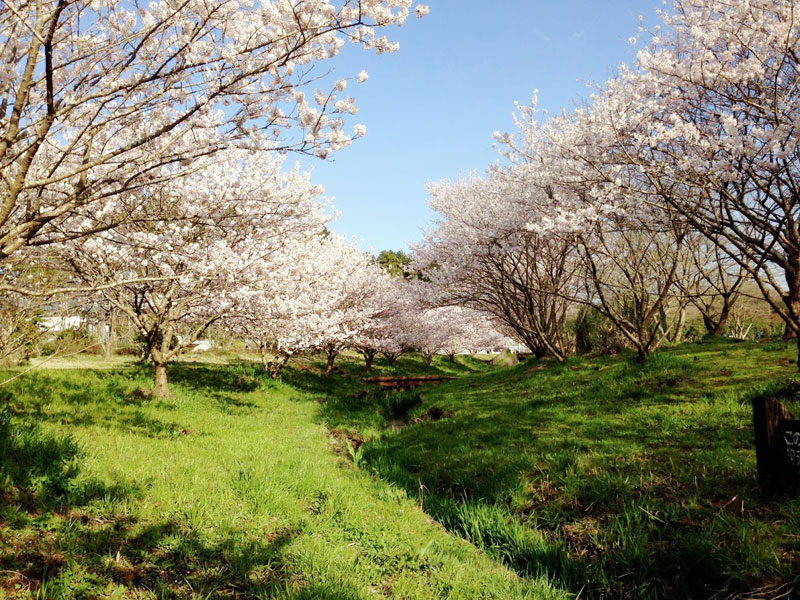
[210,378]
[121,398]
[346,403]
[35,468]
[79,555]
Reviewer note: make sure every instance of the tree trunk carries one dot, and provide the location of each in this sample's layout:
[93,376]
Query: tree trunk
[798,353]
[641,353]
[161,390]
[724,314]
[712,327]
[451,358]
[262,353]
[792,302]
[332,354]
[428,358]
[391,359]
[275,366]
[109,345]
[369,357]
[677,333]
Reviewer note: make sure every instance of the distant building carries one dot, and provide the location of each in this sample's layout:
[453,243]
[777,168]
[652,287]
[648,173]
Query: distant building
[57,323]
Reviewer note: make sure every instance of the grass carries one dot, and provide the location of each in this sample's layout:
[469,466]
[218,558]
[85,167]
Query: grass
[228,489]
[601,478]
[612,478]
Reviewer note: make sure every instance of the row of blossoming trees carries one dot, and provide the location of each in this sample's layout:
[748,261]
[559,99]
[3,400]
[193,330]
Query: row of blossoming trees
[142,166]
[676,185]
[141,159]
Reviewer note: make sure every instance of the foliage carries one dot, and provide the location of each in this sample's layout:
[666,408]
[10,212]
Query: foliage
[396,263]
[68,341]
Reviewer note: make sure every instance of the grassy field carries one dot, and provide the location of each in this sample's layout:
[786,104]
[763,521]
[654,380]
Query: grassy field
[598,478]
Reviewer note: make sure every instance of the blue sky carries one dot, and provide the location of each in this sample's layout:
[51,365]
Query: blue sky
[431,108]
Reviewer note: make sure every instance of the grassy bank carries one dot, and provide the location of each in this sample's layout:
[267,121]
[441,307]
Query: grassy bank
[231,488]
[615,479]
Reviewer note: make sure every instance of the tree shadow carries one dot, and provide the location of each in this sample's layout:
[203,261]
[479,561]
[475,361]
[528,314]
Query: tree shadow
[239,378]
[87,554]
[36,468]
[116,398]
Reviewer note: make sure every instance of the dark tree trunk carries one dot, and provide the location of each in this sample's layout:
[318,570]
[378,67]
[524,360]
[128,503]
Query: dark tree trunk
[275,366]
[711,326]
[332,354]
[792,302]
[162,389]
[369,357]
[724,315]
[641,353]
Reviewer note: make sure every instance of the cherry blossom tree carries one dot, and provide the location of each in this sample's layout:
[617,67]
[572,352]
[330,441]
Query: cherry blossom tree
[317,293]
[351,299]
[709,116]
[483,255]
[632,250]
[388,330]
[100,100]
[278,312]
[450,330]
[211,235]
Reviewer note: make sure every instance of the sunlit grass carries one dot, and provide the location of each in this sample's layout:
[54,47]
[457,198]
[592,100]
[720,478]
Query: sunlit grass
[229,488]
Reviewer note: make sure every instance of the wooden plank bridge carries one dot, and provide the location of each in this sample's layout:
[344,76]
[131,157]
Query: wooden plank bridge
[405,383]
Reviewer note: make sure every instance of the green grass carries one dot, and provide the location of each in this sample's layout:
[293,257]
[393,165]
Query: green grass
[231,488]
[602,478]
[614,479]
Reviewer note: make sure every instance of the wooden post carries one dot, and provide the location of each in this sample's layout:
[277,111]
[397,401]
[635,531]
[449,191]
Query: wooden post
[767,416]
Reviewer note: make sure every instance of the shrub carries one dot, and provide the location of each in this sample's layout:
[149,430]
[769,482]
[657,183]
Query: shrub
[68,341]
[595,334]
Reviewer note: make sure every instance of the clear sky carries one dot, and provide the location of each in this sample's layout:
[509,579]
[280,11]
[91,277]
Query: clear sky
[431,108]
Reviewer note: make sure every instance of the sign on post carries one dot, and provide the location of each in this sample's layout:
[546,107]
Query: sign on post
[777,437]
[789,438]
